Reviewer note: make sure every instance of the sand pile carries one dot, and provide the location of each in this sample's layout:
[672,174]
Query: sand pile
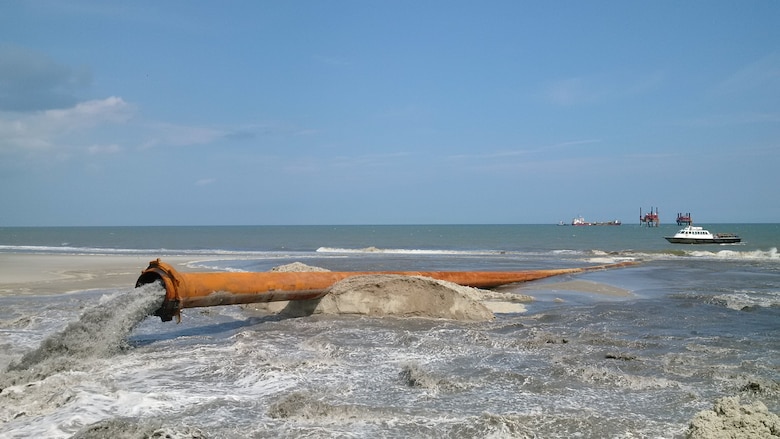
[297,267]
[728,419]
[393,295]
[403,296]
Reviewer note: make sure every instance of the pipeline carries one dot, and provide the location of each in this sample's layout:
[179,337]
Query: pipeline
[192,290]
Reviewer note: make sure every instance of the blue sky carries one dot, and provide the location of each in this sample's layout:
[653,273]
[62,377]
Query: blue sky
[387,112]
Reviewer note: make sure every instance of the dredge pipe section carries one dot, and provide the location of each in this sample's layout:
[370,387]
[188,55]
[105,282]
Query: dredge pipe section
[202,289]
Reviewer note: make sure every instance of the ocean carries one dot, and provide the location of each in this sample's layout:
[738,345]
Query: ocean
[701,323]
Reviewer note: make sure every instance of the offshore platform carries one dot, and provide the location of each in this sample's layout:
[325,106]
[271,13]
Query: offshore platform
[684,219]
[649,219]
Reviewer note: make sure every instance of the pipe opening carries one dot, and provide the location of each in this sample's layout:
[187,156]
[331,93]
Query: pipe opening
[148,277]
[169,308]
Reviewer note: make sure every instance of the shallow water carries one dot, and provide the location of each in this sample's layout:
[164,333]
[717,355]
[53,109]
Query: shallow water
[700,324]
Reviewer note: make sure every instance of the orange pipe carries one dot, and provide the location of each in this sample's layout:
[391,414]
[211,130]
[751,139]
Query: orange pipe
[191,290]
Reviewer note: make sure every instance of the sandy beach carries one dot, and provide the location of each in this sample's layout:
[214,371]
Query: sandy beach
[22,273]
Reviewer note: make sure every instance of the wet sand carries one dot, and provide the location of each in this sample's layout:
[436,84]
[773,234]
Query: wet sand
[579,286]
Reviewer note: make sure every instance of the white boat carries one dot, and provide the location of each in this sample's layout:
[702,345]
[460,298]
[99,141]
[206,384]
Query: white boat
[698,235]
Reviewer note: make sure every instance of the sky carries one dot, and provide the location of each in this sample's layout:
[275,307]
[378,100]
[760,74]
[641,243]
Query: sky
[117,113]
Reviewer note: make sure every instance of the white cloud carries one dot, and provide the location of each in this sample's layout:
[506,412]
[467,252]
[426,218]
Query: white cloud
[44,130]
[91,113]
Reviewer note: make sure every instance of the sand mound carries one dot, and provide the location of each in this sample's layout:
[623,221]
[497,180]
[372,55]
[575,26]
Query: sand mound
[729,419]
[402,296]
[493,300]
[297,267]
[393,295]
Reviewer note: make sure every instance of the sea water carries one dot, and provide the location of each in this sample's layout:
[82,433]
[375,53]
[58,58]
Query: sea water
[701,322]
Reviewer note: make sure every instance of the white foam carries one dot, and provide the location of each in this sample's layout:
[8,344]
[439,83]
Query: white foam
[70,250]
[743,299]
[607,260]
[567,252]
[750,255]
[770,255]
[403,251]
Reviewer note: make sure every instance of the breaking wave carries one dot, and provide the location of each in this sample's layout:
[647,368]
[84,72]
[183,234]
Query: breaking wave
[746,300]
[66,249]
[412,251]
[770,255]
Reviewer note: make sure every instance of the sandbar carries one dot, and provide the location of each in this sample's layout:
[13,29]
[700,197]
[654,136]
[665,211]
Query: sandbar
[581,286]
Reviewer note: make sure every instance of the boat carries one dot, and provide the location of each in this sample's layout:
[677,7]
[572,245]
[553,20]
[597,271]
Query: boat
[580,221]
[698,235]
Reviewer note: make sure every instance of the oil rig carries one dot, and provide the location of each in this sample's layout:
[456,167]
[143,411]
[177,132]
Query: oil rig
[649,219]
[684,219]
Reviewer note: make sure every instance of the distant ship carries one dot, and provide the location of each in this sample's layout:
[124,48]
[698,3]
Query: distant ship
[580,221]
